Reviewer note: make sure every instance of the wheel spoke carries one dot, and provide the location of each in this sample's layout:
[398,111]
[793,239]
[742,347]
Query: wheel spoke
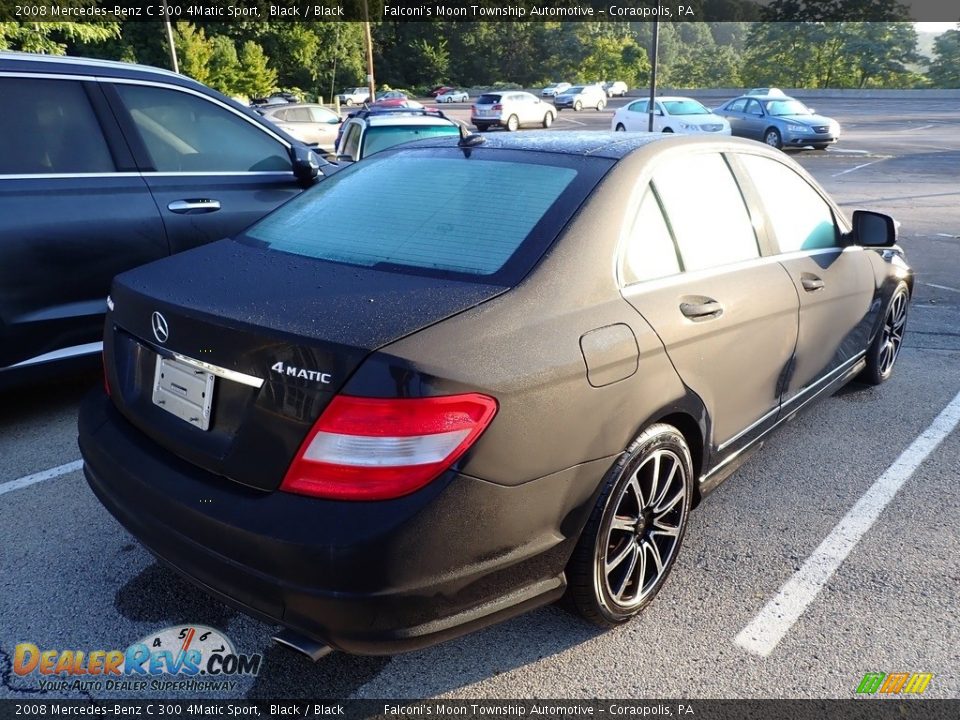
[623,523]
[613,564]
[628,575]
[654,482]
[634,486]
[663,528]
[655,554]
[662,509]
[655,504]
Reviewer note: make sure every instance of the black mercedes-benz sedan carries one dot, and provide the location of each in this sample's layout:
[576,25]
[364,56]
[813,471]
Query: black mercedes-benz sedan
[512,377]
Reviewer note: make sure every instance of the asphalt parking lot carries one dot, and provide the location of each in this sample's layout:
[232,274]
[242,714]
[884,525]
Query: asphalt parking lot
[70,577]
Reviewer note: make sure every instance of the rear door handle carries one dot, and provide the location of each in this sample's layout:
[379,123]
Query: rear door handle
[702,311]
[811,283]
[193,207]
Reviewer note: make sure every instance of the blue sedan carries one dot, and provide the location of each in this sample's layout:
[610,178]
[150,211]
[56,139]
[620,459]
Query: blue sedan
[779,121]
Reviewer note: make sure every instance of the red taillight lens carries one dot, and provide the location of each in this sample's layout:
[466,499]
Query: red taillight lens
[498,107]
[376,449]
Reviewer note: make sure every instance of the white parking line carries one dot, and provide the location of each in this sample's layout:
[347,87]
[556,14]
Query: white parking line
[774,621]
[942,287]
[850,170]
[836,149]
[570,120]
[50,474]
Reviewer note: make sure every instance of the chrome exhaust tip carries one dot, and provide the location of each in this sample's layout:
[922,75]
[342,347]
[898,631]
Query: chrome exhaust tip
[301,643]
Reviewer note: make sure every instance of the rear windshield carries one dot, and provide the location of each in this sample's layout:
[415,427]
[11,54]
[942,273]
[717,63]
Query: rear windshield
[435,212]
[488,99]
[384,136]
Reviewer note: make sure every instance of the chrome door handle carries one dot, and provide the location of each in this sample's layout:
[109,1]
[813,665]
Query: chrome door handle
[702,311]
[193,207]
[811,283]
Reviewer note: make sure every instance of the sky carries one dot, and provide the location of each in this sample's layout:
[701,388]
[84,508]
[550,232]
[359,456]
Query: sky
[937,27]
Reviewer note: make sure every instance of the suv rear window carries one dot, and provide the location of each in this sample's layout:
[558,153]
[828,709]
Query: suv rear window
[384,136]
[419,210]
[488,99]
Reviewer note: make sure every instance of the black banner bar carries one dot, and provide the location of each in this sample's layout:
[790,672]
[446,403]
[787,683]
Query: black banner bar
[859,709]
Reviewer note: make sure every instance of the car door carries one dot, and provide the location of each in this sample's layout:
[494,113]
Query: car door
[835,284]
[73,213]
[726,315]
[734,112]
[754,120]
[212,170]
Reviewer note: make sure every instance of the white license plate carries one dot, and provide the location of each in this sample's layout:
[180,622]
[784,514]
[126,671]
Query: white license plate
[485,113]
[184,391]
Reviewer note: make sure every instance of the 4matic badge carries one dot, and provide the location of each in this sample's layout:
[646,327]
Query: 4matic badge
[291,371]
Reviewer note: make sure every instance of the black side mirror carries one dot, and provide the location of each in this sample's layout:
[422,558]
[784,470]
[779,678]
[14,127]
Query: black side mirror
[306,164]
[873,229]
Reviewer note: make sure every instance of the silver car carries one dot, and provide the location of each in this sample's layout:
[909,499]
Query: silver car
[308,122]
[511,109]
[581,96]
[779,121]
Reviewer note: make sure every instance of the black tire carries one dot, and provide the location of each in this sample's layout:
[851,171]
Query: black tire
[578,106]
[591,573]
[481,128]
[548,120]
[668,130]
[513,123]
[821,146]
[885,348]
[620,128]
[771,136]
[600,106]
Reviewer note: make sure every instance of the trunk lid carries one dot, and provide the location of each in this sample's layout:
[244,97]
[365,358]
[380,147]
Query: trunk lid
[281,333]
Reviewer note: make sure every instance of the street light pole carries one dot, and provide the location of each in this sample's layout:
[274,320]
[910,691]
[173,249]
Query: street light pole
[653,74]
[366,28]
[173,48]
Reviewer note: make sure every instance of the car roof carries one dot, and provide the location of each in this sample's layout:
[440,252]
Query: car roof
[288,106]
[764,97]
[69,65]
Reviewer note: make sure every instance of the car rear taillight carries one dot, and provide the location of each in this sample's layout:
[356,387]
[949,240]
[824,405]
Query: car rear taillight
[376,449]
[497,108]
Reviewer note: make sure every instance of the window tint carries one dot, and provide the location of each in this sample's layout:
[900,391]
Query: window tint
[380,138]
[753,108]
[48,126]
[488,99]
[394,201]
[706,211]
[299,115]
[801,219]
[638,106]
[737,105]
[322,115]
[185,133]
[650,252]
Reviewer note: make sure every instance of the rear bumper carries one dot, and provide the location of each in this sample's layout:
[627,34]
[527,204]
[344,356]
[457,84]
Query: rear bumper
[365,578]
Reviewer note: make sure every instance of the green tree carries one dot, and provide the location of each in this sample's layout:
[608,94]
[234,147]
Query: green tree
[945,69]
[52,38]
[193,51]
[224,65]
[256,77]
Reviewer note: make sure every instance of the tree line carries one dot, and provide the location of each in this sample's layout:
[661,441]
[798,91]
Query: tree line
[320,58]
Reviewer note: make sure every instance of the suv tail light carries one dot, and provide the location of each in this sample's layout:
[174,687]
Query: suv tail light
[497,108]
[376,449]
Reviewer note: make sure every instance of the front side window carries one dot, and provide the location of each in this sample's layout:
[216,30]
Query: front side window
[639,106]
[47,127]
[419,210]
[186,133]
[737,105]
[801,219]
[650,252]
[706,211]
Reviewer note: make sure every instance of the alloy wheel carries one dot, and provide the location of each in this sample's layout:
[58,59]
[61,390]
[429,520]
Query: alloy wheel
[893,326]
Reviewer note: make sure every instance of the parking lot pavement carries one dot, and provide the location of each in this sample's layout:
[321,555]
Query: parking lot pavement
[70,577]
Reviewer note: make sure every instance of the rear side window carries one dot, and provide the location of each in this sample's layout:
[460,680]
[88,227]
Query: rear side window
[706,211]
[380,138]
[801,219]
[650,252]
[48,126]
[185,133]
[421,211]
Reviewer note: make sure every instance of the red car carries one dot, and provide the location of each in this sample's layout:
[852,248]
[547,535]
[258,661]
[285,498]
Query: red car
[440,89]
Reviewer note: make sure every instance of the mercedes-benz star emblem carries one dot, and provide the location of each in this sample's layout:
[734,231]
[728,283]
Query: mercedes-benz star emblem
[160,330]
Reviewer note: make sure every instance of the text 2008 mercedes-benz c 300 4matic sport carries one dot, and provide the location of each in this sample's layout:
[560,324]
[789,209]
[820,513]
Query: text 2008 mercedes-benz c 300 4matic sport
[385,436]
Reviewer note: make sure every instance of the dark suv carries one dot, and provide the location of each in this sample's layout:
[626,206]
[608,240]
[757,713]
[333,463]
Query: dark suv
[105,166]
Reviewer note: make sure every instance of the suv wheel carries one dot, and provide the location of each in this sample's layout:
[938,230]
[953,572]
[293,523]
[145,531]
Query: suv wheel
[548,120]
[513,123]
[601,105]
[578,106]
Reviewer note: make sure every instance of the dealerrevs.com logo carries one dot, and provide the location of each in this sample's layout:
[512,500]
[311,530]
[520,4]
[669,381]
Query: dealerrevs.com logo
[182,657]
[894,683]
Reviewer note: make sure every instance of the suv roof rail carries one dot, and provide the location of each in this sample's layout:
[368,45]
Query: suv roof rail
[368,111]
